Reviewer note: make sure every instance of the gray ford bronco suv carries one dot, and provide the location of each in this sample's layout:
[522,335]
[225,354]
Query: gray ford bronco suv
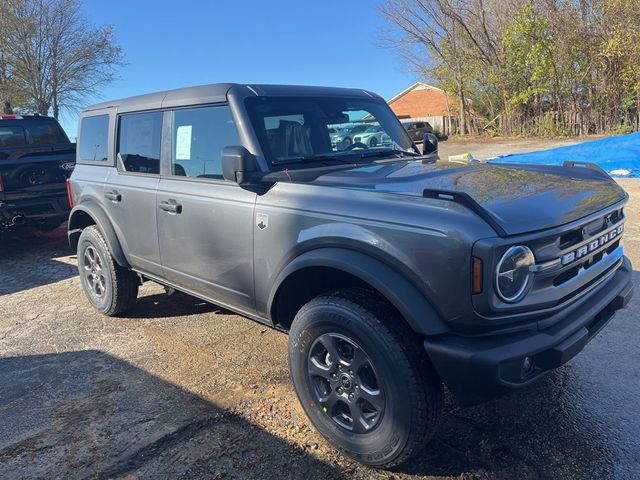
[393,273]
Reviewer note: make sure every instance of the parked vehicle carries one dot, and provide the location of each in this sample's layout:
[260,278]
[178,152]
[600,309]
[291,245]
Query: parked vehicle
[343,136]
[393,274]
[373,136]
[36,158]
[417,130]
[340,137]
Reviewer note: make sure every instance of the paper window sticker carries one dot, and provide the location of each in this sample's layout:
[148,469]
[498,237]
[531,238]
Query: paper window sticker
[183,142]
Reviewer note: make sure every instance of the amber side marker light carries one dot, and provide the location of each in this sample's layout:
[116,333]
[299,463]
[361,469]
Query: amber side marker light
[476,275]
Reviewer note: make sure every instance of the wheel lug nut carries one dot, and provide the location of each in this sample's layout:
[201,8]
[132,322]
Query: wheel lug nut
[339,390]
[351,396]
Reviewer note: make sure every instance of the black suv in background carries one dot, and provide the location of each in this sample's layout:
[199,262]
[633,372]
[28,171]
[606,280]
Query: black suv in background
[417,130]
[36,159]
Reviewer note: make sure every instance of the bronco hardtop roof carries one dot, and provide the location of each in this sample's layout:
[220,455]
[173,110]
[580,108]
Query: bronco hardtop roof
[217,92]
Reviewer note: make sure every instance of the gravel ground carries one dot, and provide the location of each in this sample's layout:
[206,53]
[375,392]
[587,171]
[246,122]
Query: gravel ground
[484,148]
[183,389]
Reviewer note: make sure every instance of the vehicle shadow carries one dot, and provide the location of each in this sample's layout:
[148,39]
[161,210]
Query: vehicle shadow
[580,421]
[87,414]
[30,259]
[177,304]
[540,432]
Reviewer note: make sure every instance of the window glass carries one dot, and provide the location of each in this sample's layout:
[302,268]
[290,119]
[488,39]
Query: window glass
[45,132]
[139,140]
[318,130]
[12,136]
[94,134]
[199,136]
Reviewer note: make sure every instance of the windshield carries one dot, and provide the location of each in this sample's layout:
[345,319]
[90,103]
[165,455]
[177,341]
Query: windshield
[312,129]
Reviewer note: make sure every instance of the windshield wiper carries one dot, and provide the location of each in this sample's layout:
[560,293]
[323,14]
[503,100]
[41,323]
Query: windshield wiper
[390,151]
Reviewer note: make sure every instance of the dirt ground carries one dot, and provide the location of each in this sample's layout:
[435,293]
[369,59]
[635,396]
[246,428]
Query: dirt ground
[484,148]
[183,389]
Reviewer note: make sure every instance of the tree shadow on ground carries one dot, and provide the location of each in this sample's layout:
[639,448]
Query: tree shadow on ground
[87,414]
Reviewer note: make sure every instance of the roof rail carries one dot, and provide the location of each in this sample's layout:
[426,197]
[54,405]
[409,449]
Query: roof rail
[467,200]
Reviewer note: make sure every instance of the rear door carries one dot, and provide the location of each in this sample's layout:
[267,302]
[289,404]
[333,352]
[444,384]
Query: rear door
[130,190]
[205,223]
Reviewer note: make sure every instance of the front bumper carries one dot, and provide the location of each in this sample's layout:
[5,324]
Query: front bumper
[476,368]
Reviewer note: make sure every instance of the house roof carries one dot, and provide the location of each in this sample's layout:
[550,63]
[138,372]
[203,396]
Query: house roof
[416,86]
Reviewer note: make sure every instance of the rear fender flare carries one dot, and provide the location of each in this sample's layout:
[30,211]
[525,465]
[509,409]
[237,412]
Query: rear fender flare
[103,223]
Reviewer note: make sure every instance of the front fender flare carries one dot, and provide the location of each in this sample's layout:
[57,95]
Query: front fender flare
[104,224]
[399,291]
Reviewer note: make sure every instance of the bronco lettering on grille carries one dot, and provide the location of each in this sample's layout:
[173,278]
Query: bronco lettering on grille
[594,244]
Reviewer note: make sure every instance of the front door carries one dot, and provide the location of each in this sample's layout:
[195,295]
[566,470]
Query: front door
[205,224]
[130,190]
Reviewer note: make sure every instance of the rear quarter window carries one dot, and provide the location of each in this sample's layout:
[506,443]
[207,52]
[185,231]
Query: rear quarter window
[45,133]
[93,139]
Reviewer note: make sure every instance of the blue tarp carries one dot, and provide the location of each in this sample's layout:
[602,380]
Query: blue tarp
[619,156]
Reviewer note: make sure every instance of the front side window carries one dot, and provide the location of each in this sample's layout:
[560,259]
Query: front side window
[319,130]
[93,139]
[199,136]
[139,140]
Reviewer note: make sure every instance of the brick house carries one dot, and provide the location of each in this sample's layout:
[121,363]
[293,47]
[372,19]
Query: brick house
[425,102]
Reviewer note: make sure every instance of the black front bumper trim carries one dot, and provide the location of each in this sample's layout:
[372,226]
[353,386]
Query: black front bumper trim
[476,368]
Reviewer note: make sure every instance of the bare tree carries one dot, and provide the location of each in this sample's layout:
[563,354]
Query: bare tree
[439,37]
[56,54]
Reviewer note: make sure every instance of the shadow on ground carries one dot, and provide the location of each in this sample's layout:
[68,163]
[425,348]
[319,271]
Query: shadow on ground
[28,259]
[87,414]
[175,305]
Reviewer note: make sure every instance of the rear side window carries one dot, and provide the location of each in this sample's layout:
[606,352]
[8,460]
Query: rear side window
[93,138]
[45,132]
[139,139]
[12,136]
[199,135]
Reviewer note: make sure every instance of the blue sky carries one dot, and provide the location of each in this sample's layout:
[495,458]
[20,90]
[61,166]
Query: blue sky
[172,44]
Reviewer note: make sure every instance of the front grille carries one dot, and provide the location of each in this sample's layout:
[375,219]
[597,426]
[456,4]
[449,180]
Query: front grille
[583,255]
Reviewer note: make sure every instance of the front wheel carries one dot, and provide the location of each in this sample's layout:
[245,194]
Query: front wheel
[362,378]
[110,288]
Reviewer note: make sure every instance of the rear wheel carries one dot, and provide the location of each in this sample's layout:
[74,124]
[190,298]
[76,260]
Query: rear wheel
[362,378]
[110,288]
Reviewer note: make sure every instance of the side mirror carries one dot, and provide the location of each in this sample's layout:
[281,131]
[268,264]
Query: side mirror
[430,144]
[239,165]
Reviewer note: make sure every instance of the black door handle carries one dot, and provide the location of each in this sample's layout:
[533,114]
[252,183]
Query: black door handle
[114,196]
[171,206]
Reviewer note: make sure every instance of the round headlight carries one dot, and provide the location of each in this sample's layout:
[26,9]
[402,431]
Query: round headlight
[513,274]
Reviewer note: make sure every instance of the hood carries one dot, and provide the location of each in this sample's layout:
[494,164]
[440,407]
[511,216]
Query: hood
[519,198]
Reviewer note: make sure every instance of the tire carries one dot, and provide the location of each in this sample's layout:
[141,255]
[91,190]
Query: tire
[405,392]
[373,142]
[110,288]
